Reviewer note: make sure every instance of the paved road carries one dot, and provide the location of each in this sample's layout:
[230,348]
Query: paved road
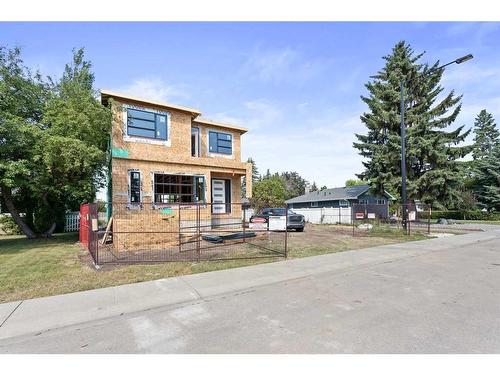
[437,296]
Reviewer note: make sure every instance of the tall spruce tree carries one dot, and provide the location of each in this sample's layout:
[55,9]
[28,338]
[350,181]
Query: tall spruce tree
[487,180]
[486,135]
[255,178]
[432,151]
[255,170]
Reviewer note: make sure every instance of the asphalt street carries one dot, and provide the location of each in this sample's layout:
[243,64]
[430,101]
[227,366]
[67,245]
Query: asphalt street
[436,296]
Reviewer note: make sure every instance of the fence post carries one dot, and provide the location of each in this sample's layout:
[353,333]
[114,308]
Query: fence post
[429,220]
[198,231]
[408,221]
[286,232]
[243,206]
[352,218]
[179,228]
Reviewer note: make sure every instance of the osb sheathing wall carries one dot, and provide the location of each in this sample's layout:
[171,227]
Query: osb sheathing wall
[175,158]
[179,151]
[121,168]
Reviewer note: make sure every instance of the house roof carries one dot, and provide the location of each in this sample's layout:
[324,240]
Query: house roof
[111,94]
[344,193]
[105,94]
[220,125]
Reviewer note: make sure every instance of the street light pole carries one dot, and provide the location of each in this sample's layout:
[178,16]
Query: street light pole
[403,158]
[403,134]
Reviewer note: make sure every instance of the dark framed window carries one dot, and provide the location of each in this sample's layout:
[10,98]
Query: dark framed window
[135,187]
[170,188]
[195,142]
[221,143]
[147,124]
[314,204]
[380,201]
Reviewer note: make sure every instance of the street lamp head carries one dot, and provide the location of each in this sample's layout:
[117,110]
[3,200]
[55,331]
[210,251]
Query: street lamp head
[464,59]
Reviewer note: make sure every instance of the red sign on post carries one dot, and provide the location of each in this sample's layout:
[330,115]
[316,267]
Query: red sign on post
[360,215]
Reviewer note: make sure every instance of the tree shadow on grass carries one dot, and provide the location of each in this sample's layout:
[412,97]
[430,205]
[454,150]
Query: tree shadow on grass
[18,244]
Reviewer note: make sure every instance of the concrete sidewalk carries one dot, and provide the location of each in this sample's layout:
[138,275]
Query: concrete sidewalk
[49,313]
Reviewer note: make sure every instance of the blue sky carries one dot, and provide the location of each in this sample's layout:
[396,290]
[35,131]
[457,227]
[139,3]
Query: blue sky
[296,86]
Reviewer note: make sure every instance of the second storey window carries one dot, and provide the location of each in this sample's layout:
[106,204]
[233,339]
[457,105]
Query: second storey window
[146,124]
[195,142]
[221,143]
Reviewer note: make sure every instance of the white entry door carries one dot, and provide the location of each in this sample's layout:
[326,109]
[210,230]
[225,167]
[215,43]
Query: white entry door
[218,196]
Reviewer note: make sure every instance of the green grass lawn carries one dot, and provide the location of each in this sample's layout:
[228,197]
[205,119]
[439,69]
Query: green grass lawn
[43,267]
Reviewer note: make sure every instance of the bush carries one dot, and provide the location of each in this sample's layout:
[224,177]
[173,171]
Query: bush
[462,215]
[8,225]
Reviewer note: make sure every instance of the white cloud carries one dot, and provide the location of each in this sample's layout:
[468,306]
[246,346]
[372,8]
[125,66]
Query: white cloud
[155,88]
[282,65]
[478,30]
[254,115]
[471,74]
[318,145]
[261,113]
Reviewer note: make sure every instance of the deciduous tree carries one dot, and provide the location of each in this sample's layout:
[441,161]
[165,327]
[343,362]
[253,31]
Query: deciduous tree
[53,140]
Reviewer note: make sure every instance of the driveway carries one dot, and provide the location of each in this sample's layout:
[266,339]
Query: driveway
[433,296]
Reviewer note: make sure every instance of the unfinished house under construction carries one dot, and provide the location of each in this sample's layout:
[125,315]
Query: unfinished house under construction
[175,187]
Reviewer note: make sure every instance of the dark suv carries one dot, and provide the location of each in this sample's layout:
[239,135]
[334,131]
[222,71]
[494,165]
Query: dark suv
[294,221]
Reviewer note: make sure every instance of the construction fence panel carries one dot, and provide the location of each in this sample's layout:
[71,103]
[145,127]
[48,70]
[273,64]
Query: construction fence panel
[177,232]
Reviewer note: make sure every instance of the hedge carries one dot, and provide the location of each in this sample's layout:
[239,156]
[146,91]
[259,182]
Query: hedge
[462,215]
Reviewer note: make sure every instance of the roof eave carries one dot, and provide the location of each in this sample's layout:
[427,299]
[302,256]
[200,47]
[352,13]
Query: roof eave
[113,94]
[202,121]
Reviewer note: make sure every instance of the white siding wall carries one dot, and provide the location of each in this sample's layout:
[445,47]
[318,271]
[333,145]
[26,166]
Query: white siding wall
[326,215]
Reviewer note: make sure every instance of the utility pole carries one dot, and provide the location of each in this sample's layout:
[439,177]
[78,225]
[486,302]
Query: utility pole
[404,200]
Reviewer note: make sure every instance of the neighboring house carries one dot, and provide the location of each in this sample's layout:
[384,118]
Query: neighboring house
[336,205]
[164,154]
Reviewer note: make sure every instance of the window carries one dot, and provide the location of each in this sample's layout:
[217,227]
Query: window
[221,143]
[314,204]
[380,201]
[363,201]
[195,142]
[135,187]
[178,188]
[146,124]
[343,204]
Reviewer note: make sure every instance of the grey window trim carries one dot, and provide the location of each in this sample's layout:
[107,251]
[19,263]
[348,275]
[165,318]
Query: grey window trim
[155,122]
[198,145]
[130,171]
[218,147]
[192,184]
